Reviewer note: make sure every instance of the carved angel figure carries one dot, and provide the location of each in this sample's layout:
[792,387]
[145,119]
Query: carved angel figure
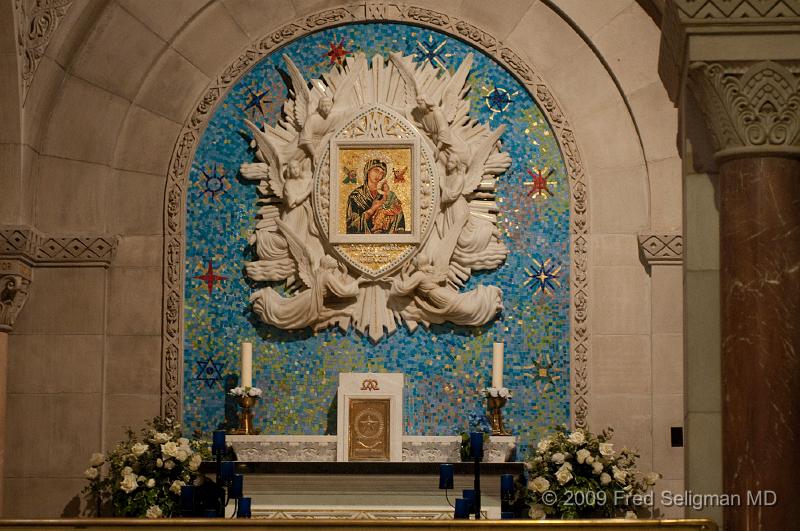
[287,185]
[464,236]
[313,111]
[456,199]
[320,305]
[437,109]
[428,298]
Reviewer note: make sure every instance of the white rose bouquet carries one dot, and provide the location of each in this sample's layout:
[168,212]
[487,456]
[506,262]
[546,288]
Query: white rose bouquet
[144,474]
[245,391]
[575,474]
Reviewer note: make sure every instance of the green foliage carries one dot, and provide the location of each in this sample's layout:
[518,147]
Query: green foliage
[580,475]
[144,473]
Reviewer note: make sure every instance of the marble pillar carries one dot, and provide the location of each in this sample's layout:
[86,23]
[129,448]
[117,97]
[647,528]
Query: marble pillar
[760,299]
[3,395]
[753,119]
[15,279]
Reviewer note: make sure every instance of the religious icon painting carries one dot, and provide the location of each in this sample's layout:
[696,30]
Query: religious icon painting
[374,199]
[375,191]
[374,202]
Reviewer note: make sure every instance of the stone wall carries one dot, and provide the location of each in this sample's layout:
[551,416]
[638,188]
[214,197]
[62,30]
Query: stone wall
[101,118]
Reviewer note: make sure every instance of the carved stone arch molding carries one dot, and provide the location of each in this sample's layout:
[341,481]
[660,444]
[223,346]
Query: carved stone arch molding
[176,189]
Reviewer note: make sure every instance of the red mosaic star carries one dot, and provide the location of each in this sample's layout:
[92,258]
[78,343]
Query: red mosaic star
[210,278]
[539,184]
[337,53]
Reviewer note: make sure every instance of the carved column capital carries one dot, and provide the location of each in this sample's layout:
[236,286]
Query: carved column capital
[749,109]
[15,278]
[661,249]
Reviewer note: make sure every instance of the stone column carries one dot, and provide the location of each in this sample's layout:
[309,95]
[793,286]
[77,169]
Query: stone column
[15,277]
[753,114]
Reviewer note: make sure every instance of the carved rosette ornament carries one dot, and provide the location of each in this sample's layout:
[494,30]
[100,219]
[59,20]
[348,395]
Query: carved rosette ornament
[15,278]
[376,200]
[749,109]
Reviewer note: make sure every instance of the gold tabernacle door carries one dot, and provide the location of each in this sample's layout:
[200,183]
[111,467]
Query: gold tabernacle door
[369,433]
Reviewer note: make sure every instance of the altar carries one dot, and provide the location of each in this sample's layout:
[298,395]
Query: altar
[291,477]
[365,490]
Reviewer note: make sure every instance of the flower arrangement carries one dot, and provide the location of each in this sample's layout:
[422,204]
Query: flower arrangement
[579,475]
[145,473]
[495,392]
[245,391]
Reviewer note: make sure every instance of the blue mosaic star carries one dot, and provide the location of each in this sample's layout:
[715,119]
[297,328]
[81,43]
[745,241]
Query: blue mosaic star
[433,53]
[209,371]
[214,182]
[498,99]
[543,277]
[256,103]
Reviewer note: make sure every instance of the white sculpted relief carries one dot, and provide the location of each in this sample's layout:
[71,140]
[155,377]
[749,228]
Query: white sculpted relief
[329,280]
[428,224]
[433,301]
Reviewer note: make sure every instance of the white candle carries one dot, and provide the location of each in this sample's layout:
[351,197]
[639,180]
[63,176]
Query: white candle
[247,364]
[497,365]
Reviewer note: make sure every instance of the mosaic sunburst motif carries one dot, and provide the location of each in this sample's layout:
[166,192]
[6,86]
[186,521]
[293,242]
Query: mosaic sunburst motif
[210,278]
[497,99]
[256,103]
[543,277]
[544,372]
[336,51]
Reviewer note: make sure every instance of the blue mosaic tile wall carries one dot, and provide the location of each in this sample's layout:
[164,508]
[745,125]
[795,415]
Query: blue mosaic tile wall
[445,367]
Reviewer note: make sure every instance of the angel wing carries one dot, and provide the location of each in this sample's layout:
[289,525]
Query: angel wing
[305,99]
[255,171]
[406,71]
[478,162]
[345,95]
[454,106]
[299,252]
[271,155]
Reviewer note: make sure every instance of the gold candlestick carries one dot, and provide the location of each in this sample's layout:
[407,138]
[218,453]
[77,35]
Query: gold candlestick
[246,420]
[496,404]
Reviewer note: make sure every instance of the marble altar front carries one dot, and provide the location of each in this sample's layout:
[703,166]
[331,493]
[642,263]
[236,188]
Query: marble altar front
[365,490]
[323,448]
